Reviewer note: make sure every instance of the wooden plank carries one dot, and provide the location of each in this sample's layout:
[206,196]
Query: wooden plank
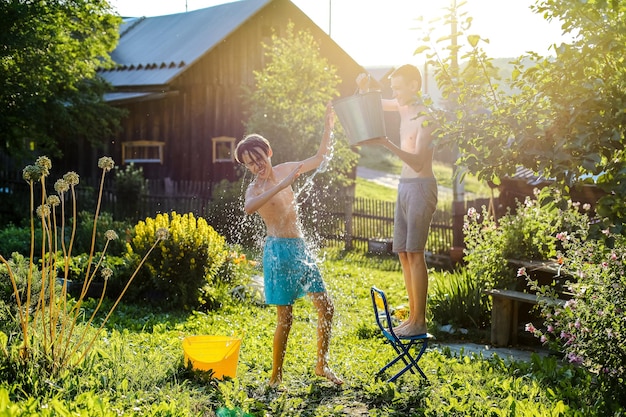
[522,296]
[502,321]
[513,295]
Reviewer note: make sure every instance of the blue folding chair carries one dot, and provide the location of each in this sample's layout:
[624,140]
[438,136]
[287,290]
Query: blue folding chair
[401,344]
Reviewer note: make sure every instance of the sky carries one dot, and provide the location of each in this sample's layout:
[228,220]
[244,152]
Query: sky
[384,32]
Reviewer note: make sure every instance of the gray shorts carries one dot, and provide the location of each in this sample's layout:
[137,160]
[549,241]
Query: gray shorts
[415,205]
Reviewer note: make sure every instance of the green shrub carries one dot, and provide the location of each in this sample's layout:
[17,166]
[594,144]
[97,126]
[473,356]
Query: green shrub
[485,250]
[528,233]
[84,233]
[181,273]
[17,239]
[77,267]
[590,328]
[456,298]
[130,186]
[18,265]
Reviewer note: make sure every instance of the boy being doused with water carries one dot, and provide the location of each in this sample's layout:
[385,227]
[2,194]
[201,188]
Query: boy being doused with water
[289,269]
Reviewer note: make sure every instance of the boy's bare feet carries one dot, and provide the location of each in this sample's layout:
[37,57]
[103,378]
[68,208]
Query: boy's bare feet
[408,329]
[327,373]
[401,325]
[274,383]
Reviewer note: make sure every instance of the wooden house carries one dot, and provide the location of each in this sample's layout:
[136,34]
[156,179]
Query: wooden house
[180,77]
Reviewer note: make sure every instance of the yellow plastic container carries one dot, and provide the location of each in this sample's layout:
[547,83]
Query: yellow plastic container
[219,353]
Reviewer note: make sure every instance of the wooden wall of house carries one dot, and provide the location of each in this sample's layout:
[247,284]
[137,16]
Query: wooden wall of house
[208,101]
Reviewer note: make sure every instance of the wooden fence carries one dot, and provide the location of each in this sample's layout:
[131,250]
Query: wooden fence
[368,224]
[350,222]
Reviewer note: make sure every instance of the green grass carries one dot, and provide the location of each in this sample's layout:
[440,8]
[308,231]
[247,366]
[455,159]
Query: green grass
[137,369]
[371,190]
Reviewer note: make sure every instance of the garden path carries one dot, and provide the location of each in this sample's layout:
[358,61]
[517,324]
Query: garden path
[489,351]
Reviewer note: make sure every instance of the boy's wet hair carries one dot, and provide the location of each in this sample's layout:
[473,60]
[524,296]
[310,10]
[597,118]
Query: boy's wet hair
[254,145]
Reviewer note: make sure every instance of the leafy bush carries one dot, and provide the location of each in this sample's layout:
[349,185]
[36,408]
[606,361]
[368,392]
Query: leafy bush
[456,298]
[84,233]
[484,250]
[17,239]
[528,233]
[590,328]
[130,186]
[18,266]
[181,273]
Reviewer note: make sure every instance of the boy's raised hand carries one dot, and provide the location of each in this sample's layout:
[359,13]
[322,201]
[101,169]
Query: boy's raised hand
[363,82]
[330,117]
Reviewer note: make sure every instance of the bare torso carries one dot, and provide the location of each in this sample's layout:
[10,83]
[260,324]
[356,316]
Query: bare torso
[414,138]
[280,212]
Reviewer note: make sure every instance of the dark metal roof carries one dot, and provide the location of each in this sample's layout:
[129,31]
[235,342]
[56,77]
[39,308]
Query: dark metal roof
[154,50]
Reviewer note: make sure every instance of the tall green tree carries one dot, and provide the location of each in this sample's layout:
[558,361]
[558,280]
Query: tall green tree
[566,116]
[49,54]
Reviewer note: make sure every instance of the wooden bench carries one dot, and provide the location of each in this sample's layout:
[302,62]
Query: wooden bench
[505,314]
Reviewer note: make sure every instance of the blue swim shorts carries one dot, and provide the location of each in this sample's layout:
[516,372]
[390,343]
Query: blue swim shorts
[289,271]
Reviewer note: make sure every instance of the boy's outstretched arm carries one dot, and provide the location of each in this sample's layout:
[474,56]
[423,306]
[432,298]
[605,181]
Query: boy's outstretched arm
[316,160]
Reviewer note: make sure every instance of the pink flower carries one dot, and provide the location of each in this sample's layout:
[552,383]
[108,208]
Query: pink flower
[472,214]
[562,236]
[577,324]
[530,328]
[573,358]
[521,272]
[613,256]
[543,339]
[550,328]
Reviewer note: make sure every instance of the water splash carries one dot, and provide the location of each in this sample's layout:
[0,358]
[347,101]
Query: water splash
[313,240]
[308,184]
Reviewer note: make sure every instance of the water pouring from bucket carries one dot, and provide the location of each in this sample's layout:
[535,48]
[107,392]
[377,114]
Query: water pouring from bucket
[361,116]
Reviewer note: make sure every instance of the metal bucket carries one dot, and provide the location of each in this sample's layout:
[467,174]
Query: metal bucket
[361,116]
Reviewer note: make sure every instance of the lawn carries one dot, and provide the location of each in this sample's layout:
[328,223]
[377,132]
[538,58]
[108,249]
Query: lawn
[137,367]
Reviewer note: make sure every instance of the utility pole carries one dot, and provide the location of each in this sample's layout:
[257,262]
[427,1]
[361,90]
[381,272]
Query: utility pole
[330,13]
[458,189]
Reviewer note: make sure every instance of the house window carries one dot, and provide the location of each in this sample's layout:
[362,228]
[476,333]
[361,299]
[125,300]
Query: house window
[223,149]
[142,152]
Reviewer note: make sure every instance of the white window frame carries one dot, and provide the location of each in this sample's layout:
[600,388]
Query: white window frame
[142,148]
